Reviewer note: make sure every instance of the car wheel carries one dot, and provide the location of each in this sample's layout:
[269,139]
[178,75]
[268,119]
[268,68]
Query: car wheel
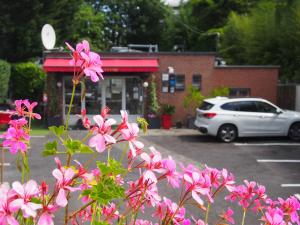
[227,133]
[294,132]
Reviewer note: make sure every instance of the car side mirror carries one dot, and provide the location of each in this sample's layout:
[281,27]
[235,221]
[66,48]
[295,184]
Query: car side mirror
[278,111]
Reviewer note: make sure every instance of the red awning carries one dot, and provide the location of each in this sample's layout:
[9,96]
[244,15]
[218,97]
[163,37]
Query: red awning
[109,65]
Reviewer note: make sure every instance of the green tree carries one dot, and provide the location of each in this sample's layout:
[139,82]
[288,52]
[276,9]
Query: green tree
[21,23]
[202,21]
[4,77]
[88,25]
[133,21]
[269,34]
[27,81]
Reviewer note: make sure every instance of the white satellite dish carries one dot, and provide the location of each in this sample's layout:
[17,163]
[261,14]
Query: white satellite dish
[48,36]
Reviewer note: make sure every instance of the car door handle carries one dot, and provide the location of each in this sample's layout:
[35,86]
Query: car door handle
[262,117]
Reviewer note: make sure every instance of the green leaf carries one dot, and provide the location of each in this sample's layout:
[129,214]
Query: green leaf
[58,131]
[50,149]
[112,168]
[76,146]
[105,191]
[86,149]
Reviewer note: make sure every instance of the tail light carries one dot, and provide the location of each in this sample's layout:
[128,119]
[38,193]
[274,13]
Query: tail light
[209,115]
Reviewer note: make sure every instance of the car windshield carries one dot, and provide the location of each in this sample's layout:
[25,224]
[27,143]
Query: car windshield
[206,106]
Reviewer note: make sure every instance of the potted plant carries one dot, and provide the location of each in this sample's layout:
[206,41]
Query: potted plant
[167,112]
[191,101]
[153,117]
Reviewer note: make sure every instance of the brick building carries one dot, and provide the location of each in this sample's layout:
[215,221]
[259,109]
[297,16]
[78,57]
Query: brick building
[126,73]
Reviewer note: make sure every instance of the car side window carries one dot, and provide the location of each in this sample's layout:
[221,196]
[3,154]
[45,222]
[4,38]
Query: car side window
[247,106]
[232,106]
[265,107]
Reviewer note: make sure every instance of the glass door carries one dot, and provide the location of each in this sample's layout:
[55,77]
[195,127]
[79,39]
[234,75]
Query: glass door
[134,96]
[115,94]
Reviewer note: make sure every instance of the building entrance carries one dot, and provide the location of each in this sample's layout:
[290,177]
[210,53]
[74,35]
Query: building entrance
[117,93]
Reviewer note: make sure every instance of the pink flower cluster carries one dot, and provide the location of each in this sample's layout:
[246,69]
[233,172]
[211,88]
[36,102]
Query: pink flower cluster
[17,136]
[89,62]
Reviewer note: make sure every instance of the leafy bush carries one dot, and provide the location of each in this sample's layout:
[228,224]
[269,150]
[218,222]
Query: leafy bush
[192,99]
[4,77]
[154,106]
[27,81]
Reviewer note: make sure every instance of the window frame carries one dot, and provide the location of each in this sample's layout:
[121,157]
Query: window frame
[195,84]
[182,76]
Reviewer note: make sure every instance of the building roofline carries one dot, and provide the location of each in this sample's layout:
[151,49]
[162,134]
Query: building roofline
[248,66]
[47,53]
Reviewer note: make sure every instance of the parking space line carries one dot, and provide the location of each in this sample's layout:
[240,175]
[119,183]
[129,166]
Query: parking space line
[266,144]
[290,185]
[297,196]
[278,160]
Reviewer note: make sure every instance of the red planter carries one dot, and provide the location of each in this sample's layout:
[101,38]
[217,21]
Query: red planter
[4,117]
[166,121]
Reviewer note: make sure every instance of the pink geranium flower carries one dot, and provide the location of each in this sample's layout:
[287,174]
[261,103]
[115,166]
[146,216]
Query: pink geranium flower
[24,195]
[198,184]
[227,216]
[291,207]
[169,210]
[102,133]
[82,46]
[152,163]
[92,65]
[130,134]
[172,176]
[274,217]
[64,183]
[6,209]
[47,215]
[30,107]
[25,108]
[110,213]
[16,139]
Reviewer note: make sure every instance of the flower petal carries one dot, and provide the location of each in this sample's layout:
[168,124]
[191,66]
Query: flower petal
[61,199]
[18,187]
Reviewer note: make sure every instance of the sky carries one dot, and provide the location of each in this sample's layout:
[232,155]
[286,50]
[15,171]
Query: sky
[174,3]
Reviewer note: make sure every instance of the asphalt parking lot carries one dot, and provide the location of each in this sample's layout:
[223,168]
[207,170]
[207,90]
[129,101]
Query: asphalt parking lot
[273,162]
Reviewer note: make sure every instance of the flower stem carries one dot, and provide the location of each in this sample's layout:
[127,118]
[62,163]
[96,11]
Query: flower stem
[244,216]
[2,165]
[207,212]
[82,208]
[70,105]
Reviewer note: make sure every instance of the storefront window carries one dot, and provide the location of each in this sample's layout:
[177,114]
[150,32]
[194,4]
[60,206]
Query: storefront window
[93,97]
[134,96]
[76,108]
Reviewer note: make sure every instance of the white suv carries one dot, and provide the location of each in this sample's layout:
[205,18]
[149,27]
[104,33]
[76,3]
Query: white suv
[245,117]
